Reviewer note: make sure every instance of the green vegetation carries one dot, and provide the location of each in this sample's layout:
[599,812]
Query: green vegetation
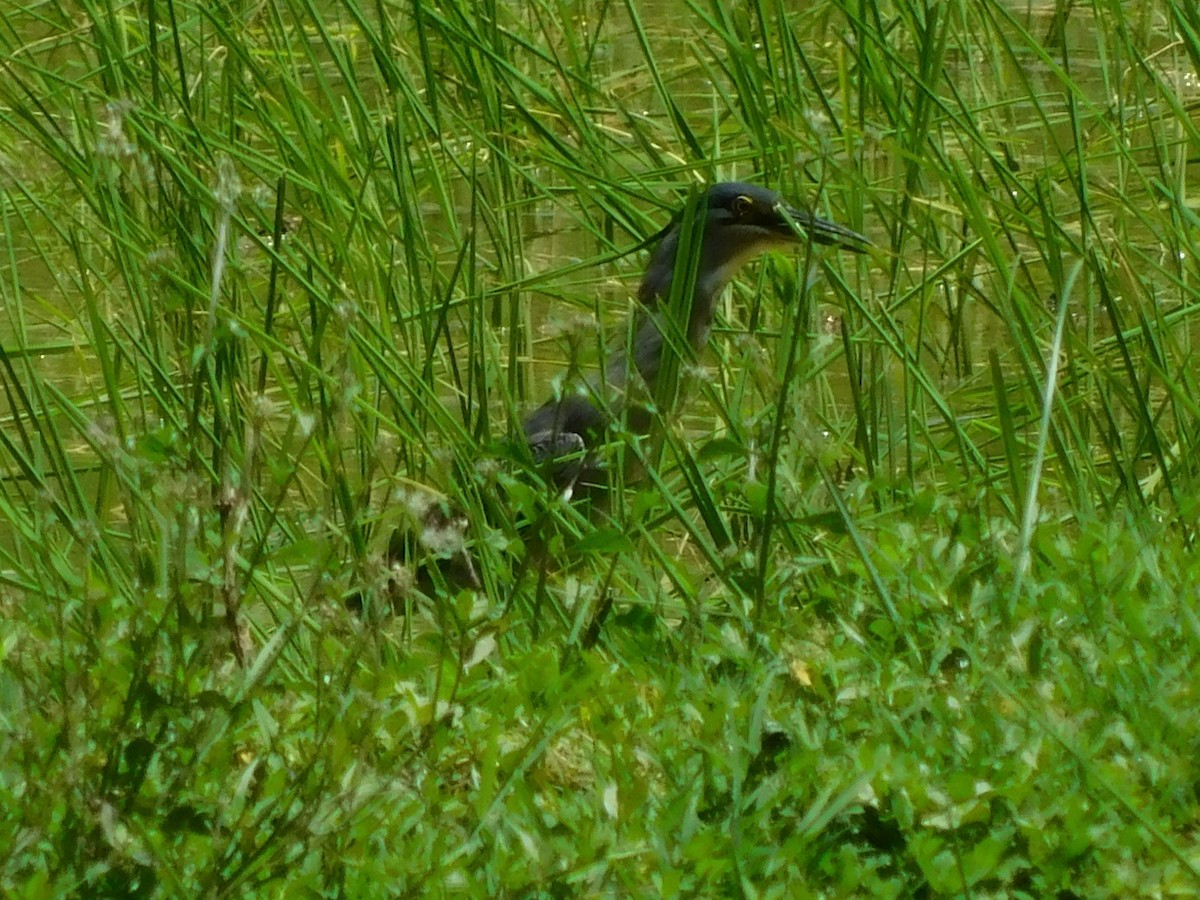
[903,602]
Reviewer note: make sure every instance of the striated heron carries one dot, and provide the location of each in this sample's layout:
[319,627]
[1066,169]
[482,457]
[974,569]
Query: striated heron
[718,232]
[728,225]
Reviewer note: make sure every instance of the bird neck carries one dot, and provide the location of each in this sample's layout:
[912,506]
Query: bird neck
[710,280]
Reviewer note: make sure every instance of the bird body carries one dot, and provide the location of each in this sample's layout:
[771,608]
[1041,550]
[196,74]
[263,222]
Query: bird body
[728,225]
[706,244]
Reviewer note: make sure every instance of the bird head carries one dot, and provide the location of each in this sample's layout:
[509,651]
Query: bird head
[737,222]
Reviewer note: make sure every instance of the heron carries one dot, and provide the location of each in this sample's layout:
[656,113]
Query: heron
[703,247]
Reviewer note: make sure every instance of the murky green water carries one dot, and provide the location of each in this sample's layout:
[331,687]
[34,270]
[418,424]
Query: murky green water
[1019,98]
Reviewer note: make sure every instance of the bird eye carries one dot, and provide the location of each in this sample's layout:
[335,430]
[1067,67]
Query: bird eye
[742,205]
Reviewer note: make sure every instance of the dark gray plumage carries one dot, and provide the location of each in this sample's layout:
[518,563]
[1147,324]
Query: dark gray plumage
[735,222]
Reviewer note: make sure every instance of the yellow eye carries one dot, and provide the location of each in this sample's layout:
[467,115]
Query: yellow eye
[742,205]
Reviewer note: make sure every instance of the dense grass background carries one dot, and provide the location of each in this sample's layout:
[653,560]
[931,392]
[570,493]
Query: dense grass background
[903,603]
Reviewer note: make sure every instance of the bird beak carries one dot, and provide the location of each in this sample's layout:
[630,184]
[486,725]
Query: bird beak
[797,225]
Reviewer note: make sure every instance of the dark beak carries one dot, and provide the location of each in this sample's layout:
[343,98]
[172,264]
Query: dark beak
[798,224]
